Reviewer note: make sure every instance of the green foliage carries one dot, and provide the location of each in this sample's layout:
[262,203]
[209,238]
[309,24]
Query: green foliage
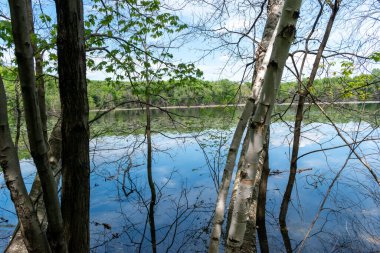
[9,76]
[347,68]
[134,41]
[191,92]
[5,35]
[344,88]
[188,92]
[376,56]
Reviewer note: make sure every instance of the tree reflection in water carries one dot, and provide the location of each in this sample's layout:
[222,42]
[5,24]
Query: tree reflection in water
[349,220]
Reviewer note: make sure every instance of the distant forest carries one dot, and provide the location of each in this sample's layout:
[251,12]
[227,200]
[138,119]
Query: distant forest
[108,94]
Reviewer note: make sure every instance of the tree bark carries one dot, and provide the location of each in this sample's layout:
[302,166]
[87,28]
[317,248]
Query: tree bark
[274,10]
[24,57]
[54,144]
[16,245]
[75,128]
[152,187]
[249,242]
[261,202]
[34,238]
[18,113]
[297,129]
[40,83]
[259,124]
[226,179]
[237,177]
[148,134]
[263,54]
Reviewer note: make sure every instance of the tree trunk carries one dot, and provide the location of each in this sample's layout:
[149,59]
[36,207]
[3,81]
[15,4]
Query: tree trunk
[16,245]
[152,187]
[297,129]
[18,113]
[226,179]
[75,128]
[292,174]
[259,124]
[24,57]
[40,83]
[249,242]
[264,53]
[148,134]
[236,181]
[274,10]
[261,202]
[34,238]
[54,145]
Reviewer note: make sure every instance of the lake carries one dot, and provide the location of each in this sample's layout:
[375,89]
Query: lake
[189,152]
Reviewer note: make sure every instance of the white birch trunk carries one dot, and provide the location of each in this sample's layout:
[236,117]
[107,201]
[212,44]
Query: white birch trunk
[265,48]
[263,57]
[227,175]
[249,241]
[260,122]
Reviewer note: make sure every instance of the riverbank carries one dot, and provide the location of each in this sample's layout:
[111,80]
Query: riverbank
[221,106]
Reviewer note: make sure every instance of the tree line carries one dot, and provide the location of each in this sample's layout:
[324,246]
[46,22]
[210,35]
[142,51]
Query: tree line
[198,92]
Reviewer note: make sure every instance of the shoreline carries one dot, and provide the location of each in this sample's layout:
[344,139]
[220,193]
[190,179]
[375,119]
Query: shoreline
[221,106]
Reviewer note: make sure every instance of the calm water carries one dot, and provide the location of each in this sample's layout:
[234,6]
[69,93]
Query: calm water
[187,164]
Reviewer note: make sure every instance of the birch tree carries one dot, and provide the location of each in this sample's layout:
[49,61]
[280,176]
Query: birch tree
[259,124]
[274,12]
[262,54]
[261,202]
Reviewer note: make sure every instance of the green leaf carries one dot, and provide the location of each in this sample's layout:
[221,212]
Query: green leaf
[375,57]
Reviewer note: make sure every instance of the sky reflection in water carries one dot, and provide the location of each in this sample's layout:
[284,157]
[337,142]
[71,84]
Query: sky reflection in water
[350,221]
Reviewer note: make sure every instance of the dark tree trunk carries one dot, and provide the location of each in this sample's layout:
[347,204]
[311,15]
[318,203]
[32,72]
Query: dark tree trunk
[148,134]
[75,128]
[150,178]
[292,174]
[24,57]
[18,113]
[298,126]
[40,83]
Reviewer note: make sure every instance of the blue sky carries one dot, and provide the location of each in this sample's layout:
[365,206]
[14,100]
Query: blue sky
[354,33]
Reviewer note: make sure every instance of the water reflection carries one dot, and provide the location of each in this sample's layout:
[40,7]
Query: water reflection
[186,189]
